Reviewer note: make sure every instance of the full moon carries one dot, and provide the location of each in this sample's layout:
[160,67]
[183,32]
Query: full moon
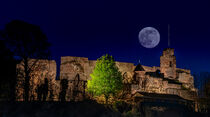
[149,37]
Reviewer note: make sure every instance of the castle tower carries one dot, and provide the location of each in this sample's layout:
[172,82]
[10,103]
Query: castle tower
[168,63]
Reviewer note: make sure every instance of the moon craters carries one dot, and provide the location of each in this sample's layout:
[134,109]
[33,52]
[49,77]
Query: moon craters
[149,37]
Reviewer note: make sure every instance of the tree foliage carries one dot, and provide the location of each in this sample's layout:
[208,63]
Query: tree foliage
[106,78]
[26,41]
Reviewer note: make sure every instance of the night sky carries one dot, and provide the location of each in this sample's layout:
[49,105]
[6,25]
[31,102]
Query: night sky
[91,28]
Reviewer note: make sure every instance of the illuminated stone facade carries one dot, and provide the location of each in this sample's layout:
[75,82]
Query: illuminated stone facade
[166,79]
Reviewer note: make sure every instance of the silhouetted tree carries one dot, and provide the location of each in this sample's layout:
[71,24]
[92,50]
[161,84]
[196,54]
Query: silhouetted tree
[39,92]
[204,91]
[26,41]
[7,72]
[45,89]
[51,95]
[42,90]
[84,87]
[200,79]
[64,87]
[76,86]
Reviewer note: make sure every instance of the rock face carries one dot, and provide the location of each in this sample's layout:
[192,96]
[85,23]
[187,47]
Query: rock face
[75,71]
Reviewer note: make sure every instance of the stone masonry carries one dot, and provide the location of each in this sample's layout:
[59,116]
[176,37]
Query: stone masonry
[166,79]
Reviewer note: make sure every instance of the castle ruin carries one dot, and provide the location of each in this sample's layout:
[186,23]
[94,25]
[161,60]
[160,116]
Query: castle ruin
[75,71]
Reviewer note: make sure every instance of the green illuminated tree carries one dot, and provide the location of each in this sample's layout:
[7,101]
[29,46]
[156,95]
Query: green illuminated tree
[106,78]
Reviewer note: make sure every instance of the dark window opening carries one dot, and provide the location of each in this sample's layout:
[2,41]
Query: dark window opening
[170,64]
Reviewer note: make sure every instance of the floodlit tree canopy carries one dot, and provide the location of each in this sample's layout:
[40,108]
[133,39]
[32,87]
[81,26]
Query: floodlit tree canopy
[106,78]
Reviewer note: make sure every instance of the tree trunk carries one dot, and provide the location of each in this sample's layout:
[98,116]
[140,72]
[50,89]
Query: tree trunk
[26,84]
[13,88]
[13,82]
[106,99]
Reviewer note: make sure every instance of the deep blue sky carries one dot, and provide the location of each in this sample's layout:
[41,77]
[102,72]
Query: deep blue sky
[91,28]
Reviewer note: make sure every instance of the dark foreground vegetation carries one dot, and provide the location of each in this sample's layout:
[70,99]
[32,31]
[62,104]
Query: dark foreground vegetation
[90,108]
[55,109]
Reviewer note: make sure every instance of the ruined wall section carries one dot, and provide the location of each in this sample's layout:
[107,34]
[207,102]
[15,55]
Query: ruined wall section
[76,71]
[71,66]
[40,69]
[154,85]
[168,63]
[126,70]
[185,77]
[150,69]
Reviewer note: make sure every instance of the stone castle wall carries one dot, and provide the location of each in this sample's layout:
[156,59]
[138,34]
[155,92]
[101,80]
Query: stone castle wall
[75,71]
[166,79]
[40,69]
